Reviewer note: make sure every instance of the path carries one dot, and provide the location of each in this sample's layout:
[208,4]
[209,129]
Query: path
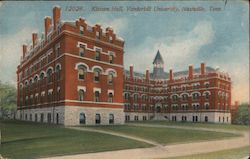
[159,151]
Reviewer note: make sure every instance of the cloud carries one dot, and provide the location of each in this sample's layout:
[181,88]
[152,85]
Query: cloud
[11,51]
[177,51]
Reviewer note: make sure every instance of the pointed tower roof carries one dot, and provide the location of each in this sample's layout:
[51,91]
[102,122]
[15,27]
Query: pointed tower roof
[158,58]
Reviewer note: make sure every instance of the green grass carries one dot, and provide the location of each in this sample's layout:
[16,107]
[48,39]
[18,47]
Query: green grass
[225,154]
[24,140]
[198,125]
[166,135]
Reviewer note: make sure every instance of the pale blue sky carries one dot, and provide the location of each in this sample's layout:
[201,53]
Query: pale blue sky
[183,38]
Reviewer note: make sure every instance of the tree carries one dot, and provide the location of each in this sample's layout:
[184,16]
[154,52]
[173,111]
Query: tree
[7,100]
[243,114]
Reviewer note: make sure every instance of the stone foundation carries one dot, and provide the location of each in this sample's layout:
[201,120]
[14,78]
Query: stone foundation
[212,117]
[70,115]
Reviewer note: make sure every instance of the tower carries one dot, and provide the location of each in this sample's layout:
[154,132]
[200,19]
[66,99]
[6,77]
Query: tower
[158,71]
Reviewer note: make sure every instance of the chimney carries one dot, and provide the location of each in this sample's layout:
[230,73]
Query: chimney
[47,25]
[24,50]
[171,76]
[202,68]
[34,39]
[131,71]
[190,72]
[147,75]
[56,16]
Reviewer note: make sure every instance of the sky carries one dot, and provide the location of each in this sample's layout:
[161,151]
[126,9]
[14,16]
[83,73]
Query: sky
[218,38]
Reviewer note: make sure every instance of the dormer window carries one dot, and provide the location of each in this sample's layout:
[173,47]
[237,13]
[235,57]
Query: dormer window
[81,30]
[98,35]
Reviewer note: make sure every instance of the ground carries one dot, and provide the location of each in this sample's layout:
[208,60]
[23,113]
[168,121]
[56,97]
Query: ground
[150,139]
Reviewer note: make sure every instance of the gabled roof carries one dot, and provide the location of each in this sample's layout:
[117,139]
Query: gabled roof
[158,58]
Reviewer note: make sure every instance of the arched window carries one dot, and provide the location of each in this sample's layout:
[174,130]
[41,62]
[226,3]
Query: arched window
[111,118]
[97,73]
[184,97]
[195,96]
[97,96]
[206,95]
[82,72]
[110,78]
[49,75]
[42,76]
[82,118]
[35,79]
[127,96]
[97,118]
[58,72]
[81,95]
[110,97]
[175,98]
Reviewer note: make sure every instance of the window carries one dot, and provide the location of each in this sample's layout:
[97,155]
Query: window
[136,97]
[173,118]
[81,95]
[136,118]
[98,54]
[49,118]
[206,95]
[110,97]
[206,106]
[110,78]
[175,98]
[127,96]
[35,117]
[111,59]
[81,50]
[206,119]
[111,118]
[81,29]
[98,35]
[97,75]
[97,96]
[57,51]
[184,97]
[97,118]
[195,96]
[81,72]
[41,119]
[127,118]
[58,72]
[82,118]
[49,75]
[110,39]
[42,76]
[35,79]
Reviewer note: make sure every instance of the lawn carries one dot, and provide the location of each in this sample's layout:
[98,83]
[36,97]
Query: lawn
[197,125]
[166,135]
[238,153]
[24,140]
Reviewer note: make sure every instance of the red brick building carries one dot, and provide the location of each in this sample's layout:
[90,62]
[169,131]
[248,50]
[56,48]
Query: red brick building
[73,74]
[199,94]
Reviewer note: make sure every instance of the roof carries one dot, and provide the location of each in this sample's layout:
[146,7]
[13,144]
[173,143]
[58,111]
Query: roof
[166,74]
[158,58]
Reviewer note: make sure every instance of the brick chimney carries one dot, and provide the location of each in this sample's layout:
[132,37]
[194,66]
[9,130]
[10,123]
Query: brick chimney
[190,72]
[171,75]
[34,39]
[147,74]
[131,71]
[56,16]
[24,50]
[47,25]
[202,68]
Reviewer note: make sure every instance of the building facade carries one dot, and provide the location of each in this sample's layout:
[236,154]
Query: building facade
[74,74]
[197,95]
